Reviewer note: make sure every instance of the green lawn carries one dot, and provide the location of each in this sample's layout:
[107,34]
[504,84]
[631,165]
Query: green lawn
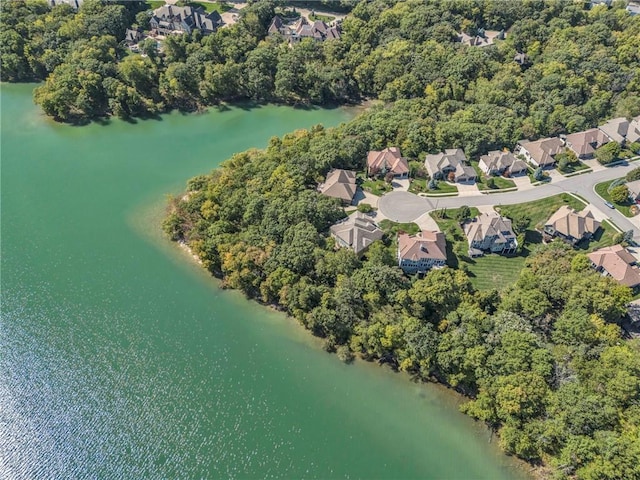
[208,7]
[488,272]
[481,180]
[153,4]
[601,189]
[418,185]
[377,187]
[573,167]
[444,187]
[325,18]
[392,228]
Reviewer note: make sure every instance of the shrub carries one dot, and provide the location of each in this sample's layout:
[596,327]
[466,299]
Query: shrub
[620,194]
[633,175]
[365,208]
[607,153]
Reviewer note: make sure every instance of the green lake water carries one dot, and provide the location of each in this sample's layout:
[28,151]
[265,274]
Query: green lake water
[121,359]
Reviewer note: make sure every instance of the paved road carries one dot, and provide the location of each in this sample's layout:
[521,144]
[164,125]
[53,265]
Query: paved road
[407,207]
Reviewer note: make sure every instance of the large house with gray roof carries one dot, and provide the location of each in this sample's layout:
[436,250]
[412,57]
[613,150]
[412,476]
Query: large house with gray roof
[422,252]
[356,232]
[440,165]
[171,19]
[301,29]
[490,232]
[571,226]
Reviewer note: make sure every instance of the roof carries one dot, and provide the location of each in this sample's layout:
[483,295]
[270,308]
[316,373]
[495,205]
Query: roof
[618,263]
[358,231]
[388,159]
[585,143]
[193,17]
[634,188]
[616,129]
[543,150]
[489,224]
[276,25]
[573,224]
[424,245]
[339,184]
[633,134]
[450,158]
[500,160]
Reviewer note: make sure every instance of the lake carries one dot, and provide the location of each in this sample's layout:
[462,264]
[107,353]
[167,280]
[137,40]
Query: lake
[120,358]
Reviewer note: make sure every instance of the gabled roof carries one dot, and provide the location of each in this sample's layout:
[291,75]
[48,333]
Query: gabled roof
[574,224]
[389,159]
[633,134]
[634,188]
[618,263]
[358,231]
[489,224]
[425,245]
[616,129]
[450,158]
[543,150]
[339,184]
[276,25]
[585,143]
[500,160]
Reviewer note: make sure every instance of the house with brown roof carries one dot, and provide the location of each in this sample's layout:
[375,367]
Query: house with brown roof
[339,184]
[422,252]
[489,232]
[540,153]
[387,160]
[500,162]
[584,144]
[356,232]
[571,226]
[440,165]
[616,262]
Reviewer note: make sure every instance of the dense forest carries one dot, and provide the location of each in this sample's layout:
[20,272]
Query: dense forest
[582,64]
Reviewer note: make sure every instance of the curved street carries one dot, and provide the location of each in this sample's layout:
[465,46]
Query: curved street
[401,206]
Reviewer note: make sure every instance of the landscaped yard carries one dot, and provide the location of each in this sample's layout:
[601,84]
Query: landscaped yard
[418,185]
[499,182]
[375,186]
[573,167]
[488,272]
[601,189]
[208,7]
[392,228]
[444,187]
[153,4]
[324,18]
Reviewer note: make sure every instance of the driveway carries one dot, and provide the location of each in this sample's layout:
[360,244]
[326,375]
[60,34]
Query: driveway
[407,207]
[467,189]
[365,197]
[522,182]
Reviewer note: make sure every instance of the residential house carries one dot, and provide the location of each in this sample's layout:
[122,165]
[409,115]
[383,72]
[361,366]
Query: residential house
[170,19]
[301,29]
[540,153]
[387,160]
[356,232]
[616,262]
[133,36]
[489,232]
[500,162]
[633,9]
[571,226]
[421,252]
[339,184]
[622,130]
[481,39]
[584,144]
[75,4]
[634,190]
[521,59]
[440,165]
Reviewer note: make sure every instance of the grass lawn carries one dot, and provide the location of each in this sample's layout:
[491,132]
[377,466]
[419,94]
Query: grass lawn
[444,187]
[208,7]
[377,187]
[573,167]
[153,4]
[392,228]
[324,18]
[418,185]
[488,272]
[499,181]
[601,189]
